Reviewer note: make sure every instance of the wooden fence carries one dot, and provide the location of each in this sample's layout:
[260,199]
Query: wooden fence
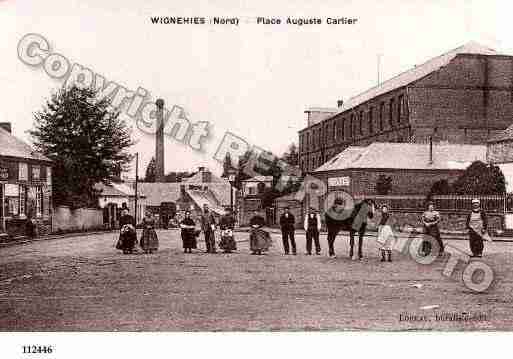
[451,203]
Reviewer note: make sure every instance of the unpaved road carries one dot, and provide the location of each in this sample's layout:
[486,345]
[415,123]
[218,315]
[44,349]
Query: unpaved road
[84,284]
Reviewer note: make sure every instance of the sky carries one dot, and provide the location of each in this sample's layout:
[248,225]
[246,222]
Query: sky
[253,80]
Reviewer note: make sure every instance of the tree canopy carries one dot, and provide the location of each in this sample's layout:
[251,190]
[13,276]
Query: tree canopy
[86,140]
[150,171]
[480,178]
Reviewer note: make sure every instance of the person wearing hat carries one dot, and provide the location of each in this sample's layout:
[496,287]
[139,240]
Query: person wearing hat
[208,226]
[477,224]
[430,219]
[312,227]
[287,224]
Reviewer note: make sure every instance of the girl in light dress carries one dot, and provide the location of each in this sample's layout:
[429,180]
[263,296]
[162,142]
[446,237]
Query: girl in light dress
[386,235]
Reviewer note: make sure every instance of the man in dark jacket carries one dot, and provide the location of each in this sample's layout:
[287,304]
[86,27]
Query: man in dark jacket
[208,225]
[287,223]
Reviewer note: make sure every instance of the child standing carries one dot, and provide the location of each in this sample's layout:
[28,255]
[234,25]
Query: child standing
[385,235]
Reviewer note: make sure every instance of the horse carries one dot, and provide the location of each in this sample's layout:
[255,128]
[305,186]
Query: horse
[354,222]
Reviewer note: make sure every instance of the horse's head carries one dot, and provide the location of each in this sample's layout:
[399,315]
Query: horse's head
[371,205]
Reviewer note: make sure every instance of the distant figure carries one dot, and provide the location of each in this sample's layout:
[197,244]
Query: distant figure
[30,227]
[385,235]
[149,240]
[188,232]
[313,228]
[259,240]
[165,221]
[430,220]
[208,225]
[287,224]
[477,224]
[227,225]
[127,235]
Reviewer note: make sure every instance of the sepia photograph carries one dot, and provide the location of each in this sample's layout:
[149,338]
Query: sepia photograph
[173,170]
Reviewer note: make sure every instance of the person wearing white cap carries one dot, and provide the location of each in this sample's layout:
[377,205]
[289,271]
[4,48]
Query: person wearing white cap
[477,225]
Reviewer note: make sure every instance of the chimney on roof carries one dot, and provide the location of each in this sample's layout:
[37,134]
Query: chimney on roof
[6,126]
[159,142]
[340,103]
[201,169]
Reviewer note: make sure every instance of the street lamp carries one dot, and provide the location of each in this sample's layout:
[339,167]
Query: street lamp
[231,179]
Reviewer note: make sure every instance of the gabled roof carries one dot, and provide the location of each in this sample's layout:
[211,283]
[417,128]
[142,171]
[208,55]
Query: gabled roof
[109,190]
[14,147]
[198,178]
[384,155]
[259,179]
[289,197]
[416,73]
[116,190]
[156,193]
[202,198]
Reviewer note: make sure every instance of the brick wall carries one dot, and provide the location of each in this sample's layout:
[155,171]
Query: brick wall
[364,181]
[467,101]
[500,152]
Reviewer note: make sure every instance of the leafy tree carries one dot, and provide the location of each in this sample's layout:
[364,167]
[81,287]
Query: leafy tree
[292,155]
[150,171]
[383,184]
[480,178]
[268,196]
[86,141]
[441,187]
[242,172]
[227,166]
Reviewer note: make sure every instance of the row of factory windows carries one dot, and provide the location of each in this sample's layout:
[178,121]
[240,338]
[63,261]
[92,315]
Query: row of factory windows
[358,124]
[312,161]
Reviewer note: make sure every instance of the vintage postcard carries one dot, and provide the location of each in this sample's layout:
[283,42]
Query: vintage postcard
[281,166]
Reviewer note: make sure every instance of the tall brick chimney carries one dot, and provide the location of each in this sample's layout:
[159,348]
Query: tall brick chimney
[6,126]
[159,142]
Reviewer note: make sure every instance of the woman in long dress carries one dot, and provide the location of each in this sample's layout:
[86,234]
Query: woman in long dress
[149,240]
[430,220]
[259,240]
[188,232]
[386,235]
[127,233]
[227,225]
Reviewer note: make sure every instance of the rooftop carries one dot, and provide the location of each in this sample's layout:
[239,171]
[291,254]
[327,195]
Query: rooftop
[14,147]
[259,179]
[407,77]
[406,156]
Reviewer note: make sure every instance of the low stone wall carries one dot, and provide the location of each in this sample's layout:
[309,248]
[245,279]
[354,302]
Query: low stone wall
[65,219]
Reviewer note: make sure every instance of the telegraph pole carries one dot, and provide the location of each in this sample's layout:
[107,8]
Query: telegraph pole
[379,68]
[136,182]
